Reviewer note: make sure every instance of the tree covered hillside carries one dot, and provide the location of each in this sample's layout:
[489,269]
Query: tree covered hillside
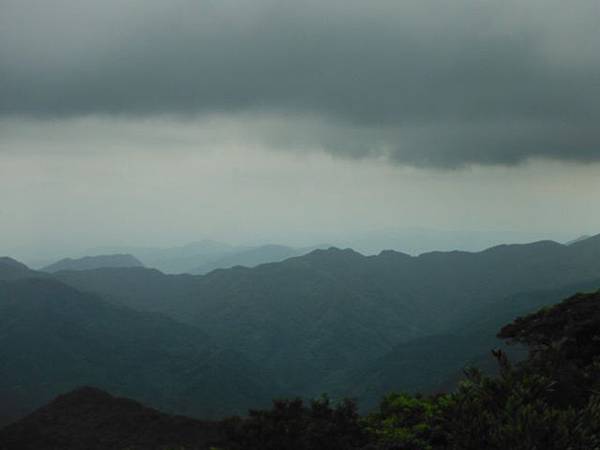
[549,401]
[310,318]
[54,338]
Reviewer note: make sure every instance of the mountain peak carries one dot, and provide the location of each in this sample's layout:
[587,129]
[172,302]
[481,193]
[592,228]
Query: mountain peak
[393,254]
[85,393]
[335,251]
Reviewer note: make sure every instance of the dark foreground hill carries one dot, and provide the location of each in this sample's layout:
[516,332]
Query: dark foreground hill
[94,262]
[90,419]
[54,338]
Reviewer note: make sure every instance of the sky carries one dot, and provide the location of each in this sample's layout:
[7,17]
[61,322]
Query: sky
[144,122]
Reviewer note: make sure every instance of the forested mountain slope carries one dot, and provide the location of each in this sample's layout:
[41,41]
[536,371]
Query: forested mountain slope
[550,400]
[308,317]
[435,363]
[54,338]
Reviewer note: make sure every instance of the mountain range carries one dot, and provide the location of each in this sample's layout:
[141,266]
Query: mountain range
[204,256]
[329,321]
[335,308]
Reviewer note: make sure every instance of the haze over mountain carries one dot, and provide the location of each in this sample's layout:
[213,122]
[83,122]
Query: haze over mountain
[180,259]
[252,257]
[94,262]
[204,256]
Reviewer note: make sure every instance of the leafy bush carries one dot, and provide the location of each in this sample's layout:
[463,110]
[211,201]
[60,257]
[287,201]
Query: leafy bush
[292,425]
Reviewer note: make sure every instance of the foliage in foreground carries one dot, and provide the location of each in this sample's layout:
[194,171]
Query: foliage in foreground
[550,401]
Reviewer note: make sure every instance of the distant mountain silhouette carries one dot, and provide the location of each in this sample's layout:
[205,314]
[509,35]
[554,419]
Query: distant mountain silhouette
[175,260]
[252,257]
[90,419]
[205,256]
[418,240]
[94,262]
[308,318]
[54,338]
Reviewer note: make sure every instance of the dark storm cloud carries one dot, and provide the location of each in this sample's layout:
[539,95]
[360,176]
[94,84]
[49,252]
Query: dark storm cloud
[426,83]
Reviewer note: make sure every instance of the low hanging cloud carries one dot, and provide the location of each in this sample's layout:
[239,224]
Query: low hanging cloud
[424,83]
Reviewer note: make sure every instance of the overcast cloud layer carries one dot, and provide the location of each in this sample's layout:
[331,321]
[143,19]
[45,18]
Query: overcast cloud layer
[425,83]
